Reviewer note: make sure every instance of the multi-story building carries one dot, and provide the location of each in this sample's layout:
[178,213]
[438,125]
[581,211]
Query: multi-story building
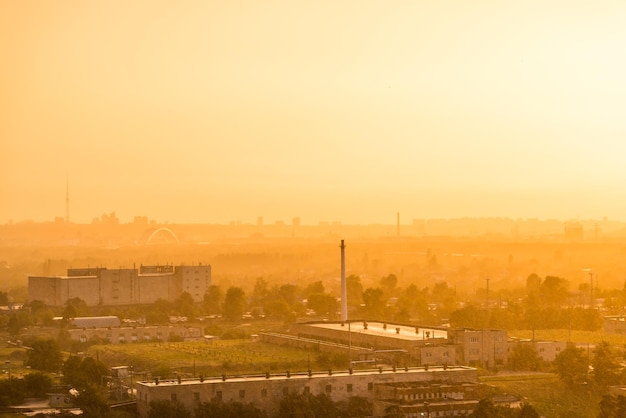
[265,391]
[480,347]
[114,287]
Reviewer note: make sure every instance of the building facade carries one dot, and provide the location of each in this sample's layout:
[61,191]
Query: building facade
[117,335]
[115,287]
[265,391]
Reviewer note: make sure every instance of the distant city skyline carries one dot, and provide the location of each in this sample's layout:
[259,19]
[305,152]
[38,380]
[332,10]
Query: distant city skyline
[210,112]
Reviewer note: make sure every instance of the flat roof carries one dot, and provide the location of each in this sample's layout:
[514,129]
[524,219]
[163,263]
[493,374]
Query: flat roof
[304,375]
[383,329]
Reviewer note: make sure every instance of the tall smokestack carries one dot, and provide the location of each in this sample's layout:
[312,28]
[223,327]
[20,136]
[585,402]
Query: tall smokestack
[398,224]
[344,287]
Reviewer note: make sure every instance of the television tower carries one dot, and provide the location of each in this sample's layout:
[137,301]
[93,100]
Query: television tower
[344,290]
[67,199]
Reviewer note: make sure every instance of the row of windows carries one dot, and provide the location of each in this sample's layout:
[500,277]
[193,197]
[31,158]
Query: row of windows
[445,354]
[434,395]
[242,392]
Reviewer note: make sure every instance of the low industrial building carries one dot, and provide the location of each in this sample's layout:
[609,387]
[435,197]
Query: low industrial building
[447,386]
[117,335]
[547,350]
[615,324]
[116,287]
[408,344]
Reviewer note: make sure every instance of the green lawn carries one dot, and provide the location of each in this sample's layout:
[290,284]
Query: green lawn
[210,359]
[550,397]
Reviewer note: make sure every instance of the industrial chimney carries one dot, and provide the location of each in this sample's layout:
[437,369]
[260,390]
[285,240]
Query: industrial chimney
[344,288]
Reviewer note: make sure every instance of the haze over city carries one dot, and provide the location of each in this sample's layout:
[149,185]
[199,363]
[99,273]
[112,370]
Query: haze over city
[197,111]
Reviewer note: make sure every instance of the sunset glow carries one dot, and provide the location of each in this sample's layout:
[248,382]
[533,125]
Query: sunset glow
[351,111]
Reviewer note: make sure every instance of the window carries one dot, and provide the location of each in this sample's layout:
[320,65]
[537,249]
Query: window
[429,354]
[242,394]
[370,386]
[329,388]
[218,395]
[196,396]
[473,339]
[173,397]
[349,387]
[445,354]
[307,389]
[264,393]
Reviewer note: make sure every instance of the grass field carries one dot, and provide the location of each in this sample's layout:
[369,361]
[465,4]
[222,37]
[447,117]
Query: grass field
[210,359]
[549,397]
[575,336]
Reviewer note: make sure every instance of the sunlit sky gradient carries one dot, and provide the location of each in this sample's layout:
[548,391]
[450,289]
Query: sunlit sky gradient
[212,111]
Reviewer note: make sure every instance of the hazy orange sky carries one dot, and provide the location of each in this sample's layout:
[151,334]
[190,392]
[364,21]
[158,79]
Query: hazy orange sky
[211,111]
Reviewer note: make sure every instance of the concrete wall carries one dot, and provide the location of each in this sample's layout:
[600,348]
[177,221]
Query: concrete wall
[119,287]
[194,280]
[265,393]
[136,334]
[487,347]
[45,289]
[357,353]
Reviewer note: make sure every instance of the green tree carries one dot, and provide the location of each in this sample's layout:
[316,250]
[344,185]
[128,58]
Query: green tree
[37,384]
[374,303]
[571,365]
[86,372]
[554,290]
[322,303]
[13,325]
[11,391]
[527,411]
[212,302]
[234,303]
[93,402]
[167,409]
[469,316]
[606,368]
[45,355]
[159,312]
[305,405]
[217,408]
[525,357]
[260,291]
[354,288]
[612,407]
[75,307]
[393,411]
[357,407]
[313,288]
[184,305]
[389,282]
